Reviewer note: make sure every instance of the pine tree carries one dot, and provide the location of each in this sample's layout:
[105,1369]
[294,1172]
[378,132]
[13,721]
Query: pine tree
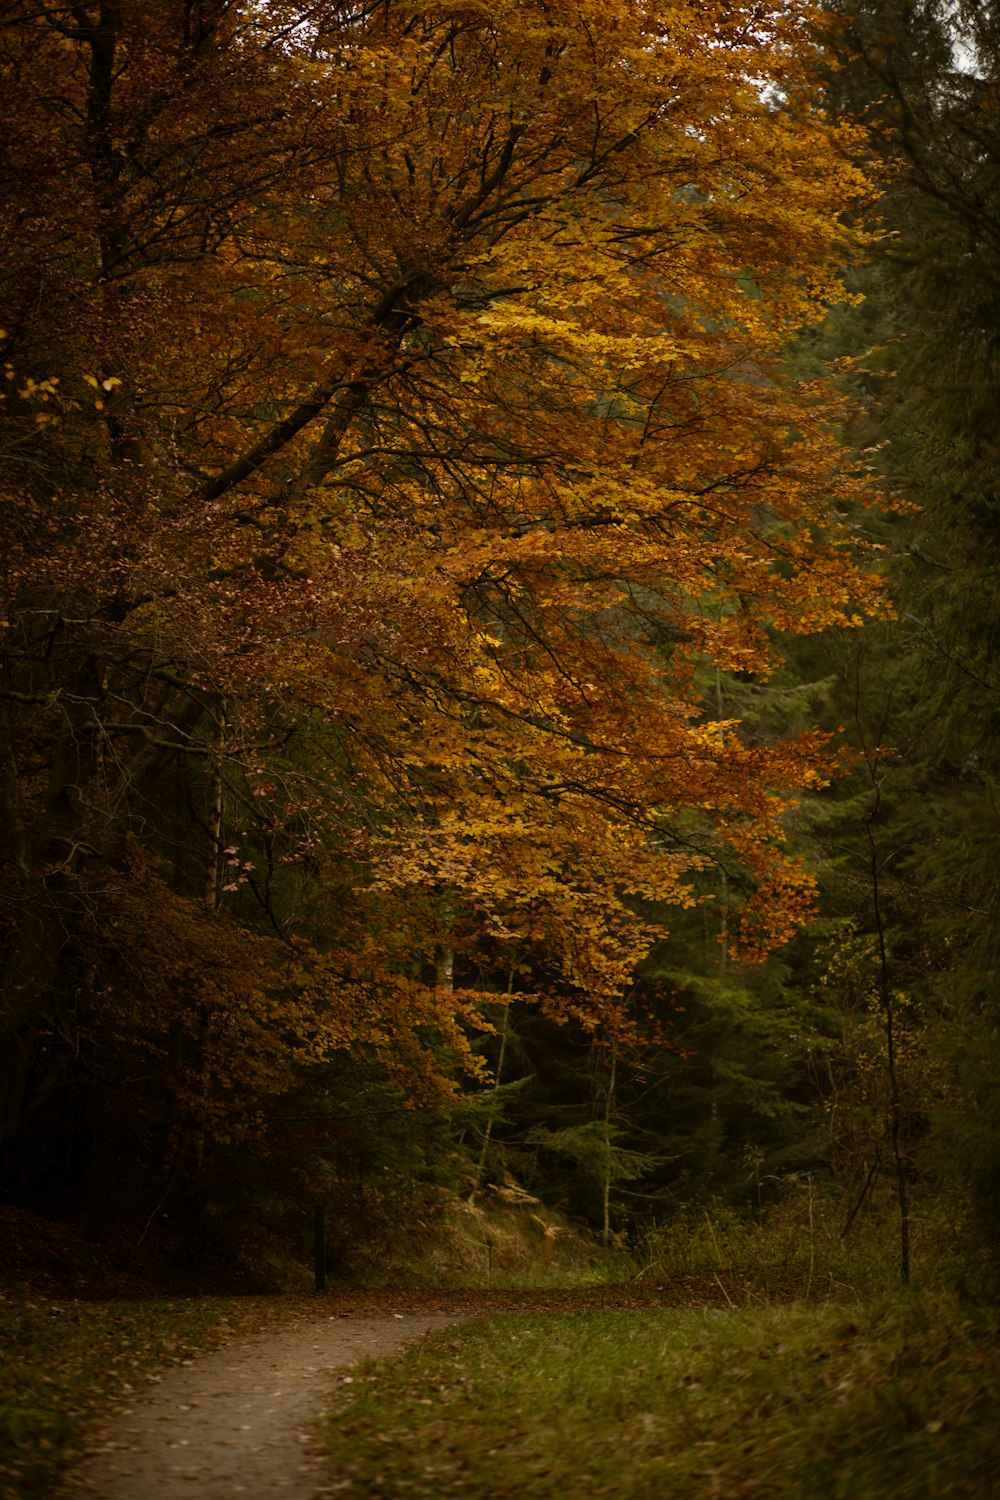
[928,697]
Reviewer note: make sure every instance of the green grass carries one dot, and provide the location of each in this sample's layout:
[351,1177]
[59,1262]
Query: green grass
[815,1401]
[63,1361]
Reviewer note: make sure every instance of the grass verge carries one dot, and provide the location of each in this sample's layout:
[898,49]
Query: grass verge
[64,1361]
[816,1401]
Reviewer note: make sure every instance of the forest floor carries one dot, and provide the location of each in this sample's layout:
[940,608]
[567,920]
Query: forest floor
[599,1395]
[174,1418]
[114,1383]
[243,1419]
[690,1388]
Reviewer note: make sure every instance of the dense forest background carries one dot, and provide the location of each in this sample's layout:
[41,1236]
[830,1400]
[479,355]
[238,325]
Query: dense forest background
[497,684]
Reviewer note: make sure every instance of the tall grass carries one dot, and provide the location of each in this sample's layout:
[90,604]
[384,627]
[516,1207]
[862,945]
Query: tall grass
[799,1245]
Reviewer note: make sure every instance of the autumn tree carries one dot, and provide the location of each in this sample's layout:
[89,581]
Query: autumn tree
[392,436]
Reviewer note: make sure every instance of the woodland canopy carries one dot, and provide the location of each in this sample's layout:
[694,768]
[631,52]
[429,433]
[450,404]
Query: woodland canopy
[397,454]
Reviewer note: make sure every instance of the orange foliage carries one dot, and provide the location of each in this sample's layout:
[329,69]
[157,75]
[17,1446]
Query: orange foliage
[394,420]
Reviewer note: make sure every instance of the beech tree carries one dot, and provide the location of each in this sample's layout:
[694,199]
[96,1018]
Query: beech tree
[392,435]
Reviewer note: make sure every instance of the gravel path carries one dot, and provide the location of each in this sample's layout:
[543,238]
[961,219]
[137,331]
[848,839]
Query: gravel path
[239,1422]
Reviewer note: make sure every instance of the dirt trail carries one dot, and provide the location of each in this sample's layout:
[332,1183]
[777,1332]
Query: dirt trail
[239,1422]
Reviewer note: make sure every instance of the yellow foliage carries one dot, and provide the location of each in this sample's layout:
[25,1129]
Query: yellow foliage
[437,432]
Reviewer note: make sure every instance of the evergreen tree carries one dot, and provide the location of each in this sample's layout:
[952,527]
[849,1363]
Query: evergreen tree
[926,704]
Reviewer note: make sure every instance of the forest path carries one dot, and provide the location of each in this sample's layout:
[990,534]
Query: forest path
[240,1422]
